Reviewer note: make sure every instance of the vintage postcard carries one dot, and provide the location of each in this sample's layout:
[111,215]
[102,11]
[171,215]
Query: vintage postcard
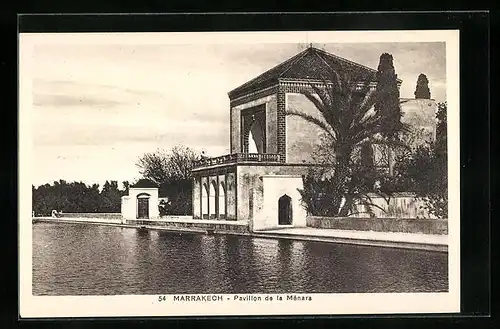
[242,173]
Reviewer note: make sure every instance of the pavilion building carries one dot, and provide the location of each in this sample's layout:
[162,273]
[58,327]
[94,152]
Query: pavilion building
[258,181]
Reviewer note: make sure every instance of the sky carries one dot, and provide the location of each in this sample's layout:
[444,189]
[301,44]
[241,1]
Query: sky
[98,107]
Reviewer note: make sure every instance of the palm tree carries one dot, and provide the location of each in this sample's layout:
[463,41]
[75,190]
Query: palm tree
[348,120]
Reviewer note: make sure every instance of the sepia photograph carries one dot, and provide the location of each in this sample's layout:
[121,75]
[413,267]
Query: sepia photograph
[242,173]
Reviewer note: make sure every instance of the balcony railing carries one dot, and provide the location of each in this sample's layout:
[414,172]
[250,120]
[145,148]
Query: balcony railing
[239,158]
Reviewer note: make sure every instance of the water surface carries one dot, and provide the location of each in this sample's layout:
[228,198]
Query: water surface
[79,259]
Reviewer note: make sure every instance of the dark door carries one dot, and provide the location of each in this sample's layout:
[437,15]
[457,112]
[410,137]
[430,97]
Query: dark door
[143,208]
[285,210]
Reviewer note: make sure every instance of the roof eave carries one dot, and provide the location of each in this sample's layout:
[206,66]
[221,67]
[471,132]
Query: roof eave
[239,92]
[247,86]
[289,62]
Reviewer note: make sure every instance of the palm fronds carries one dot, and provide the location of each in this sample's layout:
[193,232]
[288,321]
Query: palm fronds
[348,117]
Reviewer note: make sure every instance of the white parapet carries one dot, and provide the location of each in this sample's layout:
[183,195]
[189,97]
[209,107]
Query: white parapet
[275,188]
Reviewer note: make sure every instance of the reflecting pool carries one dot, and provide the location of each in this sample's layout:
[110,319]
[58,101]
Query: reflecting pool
[79,259]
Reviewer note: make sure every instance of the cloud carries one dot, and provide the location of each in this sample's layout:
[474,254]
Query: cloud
[73,100]
[102,106]
[72,86]
[103,134]
[60,93]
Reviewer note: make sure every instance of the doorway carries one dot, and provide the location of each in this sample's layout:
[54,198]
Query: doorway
[285,210]
[142,208]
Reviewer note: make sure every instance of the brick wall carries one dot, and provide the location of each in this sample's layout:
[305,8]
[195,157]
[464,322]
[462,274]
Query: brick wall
[272,125]
[280,90]
[298,155]
[303,137]
[264,103]
[281,122]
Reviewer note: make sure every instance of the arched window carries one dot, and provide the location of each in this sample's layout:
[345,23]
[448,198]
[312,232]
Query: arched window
[256,138]
[222,200]
[253,130]
[204,201]
[252,145]
[212,196]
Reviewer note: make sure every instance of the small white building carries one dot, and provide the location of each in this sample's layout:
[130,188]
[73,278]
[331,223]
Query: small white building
[141,203]
[288,209]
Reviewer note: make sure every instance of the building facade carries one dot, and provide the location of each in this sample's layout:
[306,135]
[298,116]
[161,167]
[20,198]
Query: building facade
[141,203]
[258,181]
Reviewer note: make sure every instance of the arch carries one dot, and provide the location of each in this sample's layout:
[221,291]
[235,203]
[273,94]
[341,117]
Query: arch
[255,138]
[285,213]
[143,195]
[204,201]
[253,130]
[252,144]
[212,197]
[222,200]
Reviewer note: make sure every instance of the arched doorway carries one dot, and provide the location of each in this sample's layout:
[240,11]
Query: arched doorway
[222,201]
[285,210]
[143,206]
[204,201]
[212,197]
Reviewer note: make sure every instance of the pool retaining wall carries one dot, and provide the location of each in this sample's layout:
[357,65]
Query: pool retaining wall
[425,226]
[106,215]
[237,229]
[206,227]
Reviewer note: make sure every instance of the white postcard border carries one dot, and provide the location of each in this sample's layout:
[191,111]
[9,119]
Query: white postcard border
[106,306]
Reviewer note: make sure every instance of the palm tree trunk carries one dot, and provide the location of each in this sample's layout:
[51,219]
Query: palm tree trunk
[339,183]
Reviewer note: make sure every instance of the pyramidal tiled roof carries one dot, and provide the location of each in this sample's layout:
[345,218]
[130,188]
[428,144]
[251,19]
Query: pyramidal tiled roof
[310,64]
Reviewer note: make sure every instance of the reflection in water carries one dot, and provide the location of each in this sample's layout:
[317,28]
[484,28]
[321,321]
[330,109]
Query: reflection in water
[73,259]
[266,252]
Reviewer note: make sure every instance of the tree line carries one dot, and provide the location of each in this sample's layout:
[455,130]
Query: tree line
[168,170]
[78,197]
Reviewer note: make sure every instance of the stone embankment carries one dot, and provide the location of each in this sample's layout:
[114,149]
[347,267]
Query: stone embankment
[432,239]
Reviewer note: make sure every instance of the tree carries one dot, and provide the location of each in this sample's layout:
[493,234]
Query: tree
[348,121]
[171,171]
[110,197]
[442,129]
[76,197]
[422,90]
[424,170]
[93,199]
[436,197]
[126,187]
[388,103]
[162,166]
